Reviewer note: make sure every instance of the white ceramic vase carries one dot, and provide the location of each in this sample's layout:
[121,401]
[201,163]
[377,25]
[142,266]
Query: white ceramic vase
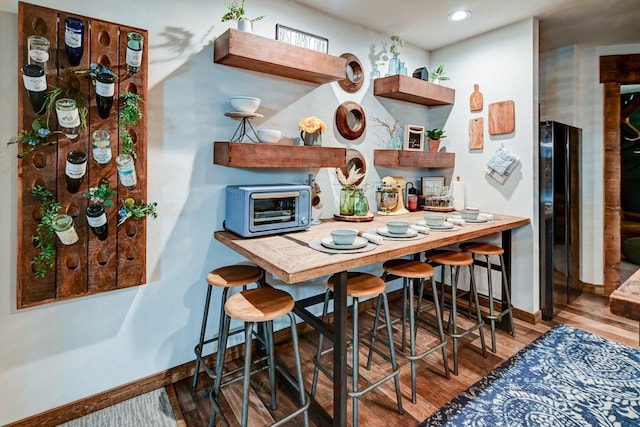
[245,25]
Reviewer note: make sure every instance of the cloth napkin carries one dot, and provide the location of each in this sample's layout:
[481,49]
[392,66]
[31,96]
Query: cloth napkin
[488,216]
[420,228]
[456,221]
[371,237]
[501,160]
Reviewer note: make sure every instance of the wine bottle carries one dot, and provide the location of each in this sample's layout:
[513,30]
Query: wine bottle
[62,224]
[36,85]
[104,93]
[75,170]
[97,220]
[126,171]
[135,41]
[68,117]
[101,145]
[73,39]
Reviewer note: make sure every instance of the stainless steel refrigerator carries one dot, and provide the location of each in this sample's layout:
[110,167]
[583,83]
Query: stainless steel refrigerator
[559,216]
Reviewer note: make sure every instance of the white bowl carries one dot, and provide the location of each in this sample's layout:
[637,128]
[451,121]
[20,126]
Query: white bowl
[244,104]
[268,136]
[398,227]
[344,237]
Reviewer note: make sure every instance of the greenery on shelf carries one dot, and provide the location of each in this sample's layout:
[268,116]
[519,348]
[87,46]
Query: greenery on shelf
[38,135]
[396,44]
[435,134]
[130,209]
[236,12]
[45,235]
[103,193]
[438,74]
[130,114]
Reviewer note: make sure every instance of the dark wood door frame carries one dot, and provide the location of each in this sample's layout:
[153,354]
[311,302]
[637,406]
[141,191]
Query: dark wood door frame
[615,70]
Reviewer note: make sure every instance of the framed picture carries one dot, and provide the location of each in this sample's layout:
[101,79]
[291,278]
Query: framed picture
[432,185]
[414,138]
[301,39]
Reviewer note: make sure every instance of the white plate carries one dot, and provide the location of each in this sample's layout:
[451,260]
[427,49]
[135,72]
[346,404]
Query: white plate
[359,242]
[444,226]
[384,231]
[477,220]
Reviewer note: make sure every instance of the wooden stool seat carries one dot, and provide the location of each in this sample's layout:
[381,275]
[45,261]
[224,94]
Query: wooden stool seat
[450,258]
[234,275]
[361,285]
[481,248]
[408,268]
[259,305]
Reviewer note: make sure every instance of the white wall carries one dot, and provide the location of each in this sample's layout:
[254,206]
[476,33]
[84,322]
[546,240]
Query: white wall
[504,64]
[571,92]
[58,353]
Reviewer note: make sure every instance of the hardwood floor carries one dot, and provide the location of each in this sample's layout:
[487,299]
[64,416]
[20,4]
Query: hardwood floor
[589,312]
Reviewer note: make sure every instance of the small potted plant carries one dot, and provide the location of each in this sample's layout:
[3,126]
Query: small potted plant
[438,75]
[435,135]
[236,12]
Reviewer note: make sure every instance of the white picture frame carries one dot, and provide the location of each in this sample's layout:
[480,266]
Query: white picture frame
[413,138]
[301,39]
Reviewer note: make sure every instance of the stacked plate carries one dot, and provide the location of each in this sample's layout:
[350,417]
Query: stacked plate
[359,242]
[384,231]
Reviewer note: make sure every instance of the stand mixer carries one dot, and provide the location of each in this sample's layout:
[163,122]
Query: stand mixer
[390,196]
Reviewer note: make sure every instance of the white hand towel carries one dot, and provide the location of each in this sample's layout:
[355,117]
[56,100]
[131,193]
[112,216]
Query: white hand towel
[456,221]
[420,228]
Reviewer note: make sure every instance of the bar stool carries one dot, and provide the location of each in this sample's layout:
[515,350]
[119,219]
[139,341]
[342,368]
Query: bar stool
[455,260]
[486,249]
[259,306]
[359,285]
[410,271]
[224,277]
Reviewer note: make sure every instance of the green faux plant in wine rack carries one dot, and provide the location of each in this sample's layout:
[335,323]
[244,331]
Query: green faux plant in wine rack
[103,193]
[45,237]
[130,114]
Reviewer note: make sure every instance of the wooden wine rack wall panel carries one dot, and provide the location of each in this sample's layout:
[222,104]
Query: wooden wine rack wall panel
[89,266]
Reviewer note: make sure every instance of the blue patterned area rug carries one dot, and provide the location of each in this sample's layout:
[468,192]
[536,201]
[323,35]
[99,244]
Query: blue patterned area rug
[567,377]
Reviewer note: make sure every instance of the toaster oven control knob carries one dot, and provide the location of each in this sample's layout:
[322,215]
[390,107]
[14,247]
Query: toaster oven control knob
[304,220]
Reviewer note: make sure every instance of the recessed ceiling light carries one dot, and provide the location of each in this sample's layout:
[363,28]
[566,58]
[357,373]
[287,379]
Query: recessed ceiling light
[459,15]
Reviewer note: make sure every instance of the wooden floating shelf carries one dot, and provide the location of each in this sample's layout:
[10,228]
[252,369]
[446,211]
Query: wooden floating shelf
[250,155]
[251,52]
[414,90]
[413,159]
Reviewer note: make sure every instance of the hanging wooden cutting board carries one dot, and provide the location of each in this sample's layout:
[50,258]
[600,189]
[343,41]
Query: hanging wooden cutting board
[476,133]
[501,117]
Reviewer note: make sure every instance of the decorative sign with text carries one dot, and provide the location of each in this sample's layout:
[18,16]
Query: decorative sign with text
[301,39]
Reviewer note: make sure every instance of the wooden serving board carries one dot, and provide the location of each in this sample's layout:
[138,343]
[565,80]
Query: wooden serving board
[501,117]
[354,218]
[476,133]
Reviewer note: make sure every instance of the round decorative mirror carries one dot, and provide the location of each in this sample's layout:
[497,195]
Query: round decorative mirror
[354,74]
[350,120]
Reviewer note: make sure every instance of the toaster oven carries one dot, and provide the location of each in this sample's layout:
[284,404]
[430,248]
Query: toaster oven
[258,210]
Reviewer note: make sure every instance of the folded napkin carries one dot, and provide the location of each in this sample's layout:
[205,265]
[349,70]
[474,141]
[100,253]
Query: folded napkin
[488,216]
[421,222]
[371,237]
[456,221]
[501,160]
[420,228]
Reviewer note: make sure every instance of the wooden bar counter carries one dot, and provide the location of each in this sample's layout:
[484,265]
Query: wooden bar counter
[289,257]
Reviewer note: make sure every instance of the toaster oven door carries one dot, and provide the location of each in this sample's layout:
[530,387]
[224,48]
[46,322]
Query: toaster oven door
[273,211]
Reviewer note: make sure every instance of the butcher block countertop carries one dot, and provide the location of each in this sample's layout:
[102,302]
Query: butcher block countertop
[289,256]
[625,301]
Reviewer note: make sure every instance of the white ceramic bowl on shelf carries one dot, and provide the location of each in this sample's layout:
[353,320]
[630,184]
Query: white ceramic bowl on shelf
[268,136]
[245,104]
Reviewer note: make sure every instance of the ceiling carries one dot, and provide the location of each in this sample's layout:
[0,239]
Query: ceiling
[424,23]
